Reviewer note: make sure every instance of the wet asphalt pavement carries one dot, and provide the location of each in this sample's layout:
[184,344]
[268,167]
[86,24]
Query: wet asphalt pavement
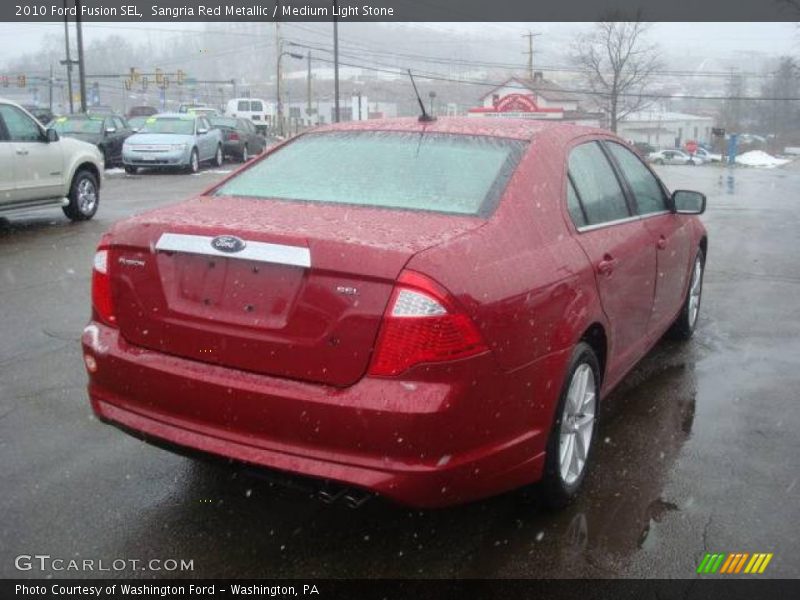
[699,449]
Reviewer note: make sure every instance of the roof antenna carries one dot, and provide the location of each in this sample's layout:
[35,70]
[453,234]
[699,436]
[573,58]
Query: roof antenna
[424,117]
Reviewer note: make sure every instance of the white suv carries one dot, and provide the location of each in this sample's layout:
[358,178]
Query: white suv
[39,169]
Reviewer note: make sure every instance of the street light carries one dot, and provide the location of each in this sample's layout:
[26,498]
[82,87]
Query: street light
[279,104]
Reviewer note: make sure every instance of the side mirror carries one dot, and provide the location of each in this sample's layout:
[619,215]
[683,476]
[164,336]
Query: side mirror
[111,129]
[687,202]
[51,135]
[202,131]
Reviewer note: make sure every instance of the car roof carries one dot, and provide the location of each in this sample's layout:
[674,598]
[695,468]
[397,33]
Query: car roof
[520,129]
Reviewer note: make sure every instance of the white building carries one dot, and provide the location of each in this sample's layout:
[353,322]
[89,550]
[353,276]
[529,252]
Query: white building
[536,98]
[665,129]
[323,111]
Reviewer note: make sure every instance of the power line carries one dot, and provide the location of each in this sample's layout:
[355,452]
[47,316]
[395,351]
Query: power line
[495,84]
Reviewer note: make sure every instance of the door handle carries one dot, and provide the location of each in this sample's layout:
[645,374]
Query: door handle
[661,243]
[22,152]
[606,266]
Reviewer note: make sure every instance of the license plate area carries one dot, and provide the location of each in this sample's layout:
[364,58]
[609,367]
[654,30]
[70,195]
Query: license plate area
[230,290]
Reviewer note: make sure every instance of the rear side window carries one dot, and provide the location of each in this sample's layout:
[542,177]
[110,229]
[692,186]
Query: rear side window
[456,174]
[597,186]
[646,188]
[243,105]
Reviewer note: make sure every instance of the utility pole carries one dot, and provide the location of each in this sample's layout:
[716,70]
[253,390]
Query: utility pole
[308,87]
[278,75]
[336,62]
[530,37]
[81,64]
[50,87]
[68,61]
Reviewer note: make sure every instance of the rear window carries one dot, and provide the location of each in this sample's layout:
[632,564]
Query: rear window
[256,106]
[456,174]
[224,122]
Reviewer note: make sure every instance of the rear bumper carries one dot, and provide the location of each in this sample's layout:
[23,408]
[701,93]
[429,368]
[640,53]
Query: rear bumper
[423,444]
[234,148]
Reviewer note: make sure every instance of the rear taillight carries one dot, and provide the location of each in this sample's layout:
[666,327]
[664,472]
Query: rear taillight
[423,324]
[101,288]
[233,136]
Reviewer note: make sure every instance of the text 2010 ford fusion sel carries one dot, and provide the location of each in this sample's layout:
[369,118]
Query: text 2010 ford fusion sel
[427,310]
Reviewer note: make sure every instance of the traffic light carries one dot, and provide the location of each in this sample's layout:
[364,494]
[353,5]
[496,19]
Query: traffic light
[159,76]
[180,76]
[22,81]
[144,83]
[4,81]
[134,76]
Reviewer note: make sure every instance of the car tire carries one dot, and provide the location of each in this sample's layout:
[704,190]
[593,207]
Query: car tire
[131,170]
[245,154]
[84,196]
[219,158]
[569,447]
[684,326]
[194,162]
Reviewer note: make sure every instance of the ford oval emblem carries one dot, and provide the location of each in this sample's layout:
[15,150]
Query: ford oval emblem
[228,243]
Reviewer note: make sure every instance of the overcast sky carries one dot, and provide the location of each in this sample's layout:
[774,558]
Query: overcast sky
[704,39]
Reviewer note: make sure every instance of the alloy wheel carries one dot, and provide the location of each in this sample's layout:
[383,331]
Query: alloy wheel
[87,196]
[577,424]
[695,290]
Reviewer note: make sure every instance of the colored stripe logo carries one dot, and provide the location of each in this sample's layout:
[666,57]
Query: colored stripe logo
[734,562]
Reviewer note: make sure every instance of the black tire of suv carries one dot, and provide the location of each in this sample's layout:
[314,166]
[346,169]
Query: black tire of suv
[73,210]
[131,170]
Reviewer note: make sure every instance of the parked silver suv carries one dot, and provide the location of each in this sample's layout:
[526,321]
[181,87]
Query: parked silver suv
[38,169]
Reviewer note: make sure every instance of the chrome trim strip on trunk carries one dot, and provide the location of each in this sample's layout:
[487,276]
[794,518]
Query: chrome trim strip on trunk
[279,254]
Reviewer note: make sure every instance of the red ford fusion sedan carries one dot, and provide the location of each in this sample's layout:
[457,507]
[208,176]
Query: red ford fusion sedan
[429,311]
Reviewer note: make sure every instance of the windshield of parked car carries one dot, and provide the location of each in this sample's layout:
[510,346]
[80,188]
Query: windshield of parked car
[67,125]
[136,122]
[174,125]
[447,173]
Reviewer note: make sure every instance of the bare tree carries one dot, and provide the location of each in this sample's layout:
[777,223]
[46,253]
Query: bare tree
[617,64]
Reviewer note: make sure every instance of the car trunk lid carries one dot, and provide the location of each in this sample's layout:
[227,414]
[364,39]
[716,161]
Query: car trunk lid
[303,298]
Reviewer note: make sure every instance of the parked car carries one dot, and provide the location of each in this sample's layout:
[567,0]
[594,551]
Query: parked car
[142,111]
[107,132]
[136,123]
[43,115]
[643,149]
[38,168]
[253,109]
[353,306]
[206,111]
[173,140]
[674,157]
[240,138]
[707,156]
[101,109]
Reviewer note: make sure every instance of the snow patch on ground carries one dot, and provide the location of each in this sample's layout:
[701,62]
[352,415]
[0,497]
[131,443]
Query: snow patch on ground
[759,158]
